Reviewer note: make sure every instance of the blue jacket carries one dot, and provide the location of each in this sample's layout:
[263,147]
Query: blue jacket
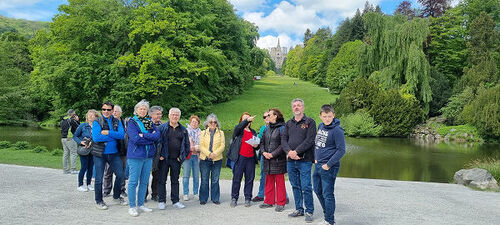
[111,138]
[185,147]
[330,144]
[83,131]
[141,147]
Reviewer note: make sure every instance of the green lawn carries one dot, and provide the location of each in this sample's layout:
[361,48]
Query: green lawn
[275,91]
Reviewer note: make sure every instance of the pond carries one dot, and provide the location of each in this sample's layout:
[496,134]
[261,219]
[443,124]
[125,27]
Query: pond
[379,158]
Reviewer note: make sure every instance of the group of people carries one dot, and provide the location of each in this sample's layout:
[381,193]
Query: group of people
[141,145]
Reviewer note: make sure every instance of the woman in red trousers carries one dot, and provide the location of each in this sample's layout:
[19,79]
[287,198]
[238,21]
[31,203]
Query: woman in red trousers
[274,162]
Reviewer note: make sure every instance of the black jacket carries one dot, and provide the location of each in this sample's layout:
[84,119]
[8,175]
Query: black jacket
[68,123]
[185,145]
[234,148]
[271,142]
[299,136]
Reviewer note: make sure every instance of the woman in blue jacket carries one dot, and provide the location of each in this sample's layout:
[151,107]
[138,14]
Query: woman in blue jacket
[82,137]
[142,134]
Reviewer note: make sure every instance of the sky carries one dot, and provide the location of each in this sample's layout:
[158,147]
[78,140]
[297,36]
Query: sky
[283,19]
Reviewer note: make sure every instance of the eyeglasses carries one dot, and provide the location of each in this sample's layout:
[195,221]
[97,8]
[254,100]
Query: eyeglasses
[103,109]
[213,122]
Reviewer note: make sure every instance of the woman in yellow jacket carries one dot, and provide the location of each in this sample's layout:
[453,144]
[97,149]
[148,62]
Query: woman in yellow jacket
[212,144]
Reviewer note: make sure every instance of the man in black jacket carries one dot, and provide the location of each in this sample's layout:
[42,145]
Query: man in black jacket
[298,142]
[69,124]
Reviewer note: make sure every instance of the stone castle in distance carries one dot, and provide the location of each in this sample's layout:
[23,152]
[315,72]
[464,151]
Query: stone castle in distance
[278,55]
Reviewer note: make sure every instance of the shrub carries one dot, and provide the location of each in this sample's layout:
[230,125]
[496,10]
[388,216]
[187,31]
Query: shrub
[39,149]
[397,114]
[484,112]
[270,73]
[360,124]
[57,152]
[453,110]
[359,94]
[5,144]
[21,145]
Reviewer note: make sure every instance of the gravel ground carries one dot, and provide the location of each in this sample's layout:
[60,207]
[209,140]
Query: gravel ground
[30,195]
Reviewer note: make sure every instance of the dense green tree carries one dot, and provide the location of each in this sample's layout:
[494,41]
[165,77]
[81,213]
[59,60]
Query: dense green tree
[360,94]
[343,68]
[25,28]
[307,35]
[441,91]
[484,112]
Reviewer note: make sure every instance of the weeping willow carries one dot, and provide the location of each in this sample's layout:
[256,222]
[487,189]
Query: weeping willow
[393,55]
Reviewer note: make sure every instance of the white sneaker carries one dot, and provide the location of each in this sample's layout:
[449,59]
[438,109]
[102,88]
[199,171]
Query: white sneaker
[133,212]
[186,198]
[179,205]
[161,205]
[82,188]
[145,209]
[90,187]
[323,223]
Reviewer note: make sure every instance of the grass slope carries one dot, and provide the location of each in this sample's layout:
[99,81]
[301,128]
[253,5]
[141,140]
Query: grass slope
[274,91]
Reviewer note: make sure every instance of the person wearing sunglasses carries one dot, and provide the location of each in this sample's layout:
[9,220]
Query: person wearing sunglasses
[212,144]
[106,130]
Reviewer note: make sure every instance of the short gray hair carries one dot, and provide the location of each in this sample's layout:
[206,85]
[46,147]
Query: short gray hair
[174,110]
[118,108]
[210,118]
[298,100]
[140,104]
[155,108]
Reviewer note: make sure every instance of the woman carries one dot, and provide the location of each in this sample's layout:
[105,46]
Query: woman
[142,134]
[192,163]
[83,136]
[242,159]
[212,144]
[274,162]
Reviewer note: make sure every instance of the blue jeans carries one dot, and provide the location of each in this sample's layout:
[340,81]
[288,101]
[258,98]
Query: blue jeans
[189,165]
[86,167]
[324,186]
[210,170]
[139,170]
[299,174]
[116,165]
[262,181]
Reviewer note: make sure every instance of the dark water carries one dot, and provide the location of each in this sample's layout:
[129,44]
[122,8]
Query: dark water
[381,158]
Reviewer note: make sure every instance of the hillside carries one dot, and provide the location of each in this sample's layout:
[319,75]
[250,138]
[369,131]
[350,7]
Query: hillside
[25,27]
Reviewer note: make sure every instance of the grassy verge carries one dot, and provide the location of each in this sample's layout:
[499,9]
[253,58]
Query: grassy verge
[461,133]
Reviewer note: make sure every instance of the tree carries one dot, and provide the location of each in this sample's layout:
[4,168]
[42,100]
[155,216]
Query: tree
[343,68]
[357,29]
[404,8]
[484,112]
[434,8]
[307,35]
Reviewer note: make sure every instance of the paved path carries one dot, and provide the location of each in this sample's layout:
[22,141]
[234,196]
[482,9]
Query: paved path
[30,195]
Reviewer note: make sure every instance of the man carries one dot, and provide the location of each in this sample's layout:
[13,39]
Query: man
[175,148]
[69,124]
[156,112]
[330,147]
[298,142]
[106,131]
[122,149]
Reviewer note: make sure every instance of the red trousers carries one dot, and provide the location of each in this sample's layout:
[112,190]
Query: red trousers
[275,183]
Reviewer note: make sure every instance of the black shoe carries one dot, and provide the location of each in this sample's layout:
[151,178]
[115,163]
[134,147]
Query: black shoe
[247,203]
[233,203]
[216,202]
[257,199]
[203,203]
[279,208]
[154,198]
[296,213]
[265,206]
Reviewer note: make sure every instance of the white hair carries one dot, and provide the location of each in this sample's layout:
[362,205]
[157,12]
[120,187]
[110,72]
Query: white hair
[118,108]
[140,104]
[174,110]
[210,118]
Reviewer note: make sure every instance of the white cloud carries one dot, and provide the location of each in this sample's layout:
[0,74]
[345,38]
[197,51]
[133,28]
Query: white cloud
[246,5]
[287,18]
[8,4]
[335,8]
[269,41]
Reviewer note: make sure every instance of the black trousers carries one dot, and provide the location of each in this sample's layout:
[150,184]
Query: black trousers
[174,167]
[154,185]
[244,165]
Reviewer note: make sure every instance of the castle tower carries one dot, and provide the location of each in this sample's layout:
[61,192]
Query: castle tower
[278,55]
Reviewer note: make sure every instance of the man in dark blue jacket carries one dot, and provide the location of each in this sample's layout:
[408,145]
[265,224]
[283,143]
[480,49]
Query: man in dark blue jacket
[330,147]
[175,148]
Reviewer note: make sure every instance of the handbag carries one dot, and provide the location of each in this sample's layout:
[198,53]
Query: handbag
[85,149]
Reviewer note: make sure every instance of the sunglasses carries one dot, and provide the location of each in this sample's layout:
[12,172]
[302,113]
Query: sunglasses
[264,117]
[107,109]
[213,122]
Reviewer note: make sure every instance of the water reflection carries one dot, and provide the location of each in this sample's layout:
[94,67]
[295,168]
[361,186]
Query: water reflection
[382,158]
